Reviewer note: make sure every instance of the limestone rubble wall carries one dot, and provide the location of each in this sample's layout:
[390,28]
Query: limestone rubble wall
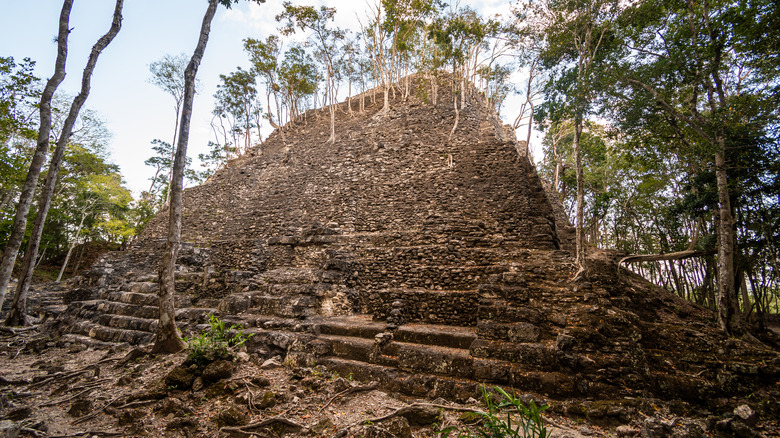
[384,174]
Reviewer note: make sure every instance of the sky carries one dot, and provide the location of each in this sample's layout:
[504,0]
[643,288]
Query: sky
[134,110]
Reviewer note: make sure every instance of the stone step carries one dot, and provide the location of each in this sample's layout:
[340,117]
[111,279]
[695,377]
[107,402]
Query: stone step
[431,359]
[110,334]
[95,308]
[268,322]
[128,322]
[117,308]
[534,355]
[347,347]
[283,306]
[141,298]
[394,380]
[86,340]
[354,327]
[430,334]
[427,334]
[431,385]
[143,287]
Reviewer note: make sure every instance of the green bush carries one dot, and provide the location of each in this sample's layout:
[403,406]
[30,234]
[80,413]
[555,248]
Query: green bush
[527,421]
[218,342]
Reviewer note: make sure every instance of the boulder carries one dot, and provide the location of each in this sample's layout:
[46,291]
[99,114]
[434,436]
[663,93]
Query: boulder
[180,377]
[218,370]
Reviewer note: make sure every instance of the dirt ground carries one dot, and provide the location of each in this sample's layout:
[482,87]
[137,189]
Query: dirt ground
[52,389]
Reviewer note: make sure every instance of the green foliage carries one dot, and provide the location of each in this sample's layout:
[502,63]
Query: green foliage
[168,75]
[91,203]
[299,77]
[218,343]
[19,91]
[153,199]
[506,419]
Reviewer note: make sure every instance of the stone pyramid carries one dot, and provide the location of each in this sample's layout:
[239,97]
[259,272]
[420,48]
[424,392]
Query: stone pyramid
[429,260]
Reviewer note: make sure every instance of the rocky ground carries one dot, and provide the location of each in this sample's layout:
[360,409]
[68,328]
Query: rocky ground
[52,389]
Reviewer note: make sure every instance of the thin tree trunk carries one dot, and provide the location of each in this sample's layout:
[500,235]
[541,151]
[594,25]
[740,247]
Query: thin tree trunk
[168,339]
[386,107]
[81,256]
[579,235]
[528,136]
[170,171]
[41,258]
[70,248]
[746,306]
[332,96]
[18,309]
[457,117]
[39,157]
[728,316]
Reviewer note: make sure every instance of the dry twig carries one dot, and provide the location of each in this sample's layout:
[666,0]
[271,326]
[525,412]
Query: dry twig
[354,389]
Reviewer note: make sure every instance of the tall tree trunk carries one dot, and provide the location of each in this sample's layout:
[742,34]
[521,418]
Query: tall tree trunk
[746,305]
[728,316]
[579,235]
[28,190]
[17,316]
[168,339]
[70,248]
[170,171]
[81,256]
[332,109]
[528,154]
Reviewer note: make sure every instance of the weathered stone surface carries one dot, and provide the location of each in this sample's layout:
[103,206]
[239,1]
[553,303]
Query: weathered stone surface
[180,377]
[232,416]
[419,415]
[9,429]
[80,407]
[129,416]
[626,431]
[179,423]
[217,370]
[172,405]
[268,400]
[746,414]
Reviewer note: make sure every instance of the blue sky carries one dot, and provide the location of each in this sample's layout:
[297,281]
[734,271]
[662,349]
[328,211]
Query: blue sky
[135,111]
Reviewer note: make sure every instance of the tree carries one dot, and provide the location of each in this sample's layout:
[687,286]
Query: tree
[28,189]
[236,101]
[19,93]
[97,198]
[298,77]
[167,338]
[264,56]
[168,75]
[709,79]
[18,309]
[392,26]
[326,40]
[459,36]
[577,36]
[213,160]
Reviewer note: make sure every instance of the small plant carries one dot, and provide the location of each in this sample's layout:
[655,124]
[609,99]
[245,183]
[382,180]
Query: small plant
[217,343]
[521,421]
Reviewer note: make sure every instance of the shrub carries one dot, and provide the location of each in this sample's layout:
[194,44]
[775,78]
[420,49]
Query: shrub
[527,421]
[218,342]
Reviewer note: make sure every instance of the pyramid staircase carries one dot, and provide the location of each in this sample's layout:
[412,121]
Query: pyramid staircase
[129,313]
